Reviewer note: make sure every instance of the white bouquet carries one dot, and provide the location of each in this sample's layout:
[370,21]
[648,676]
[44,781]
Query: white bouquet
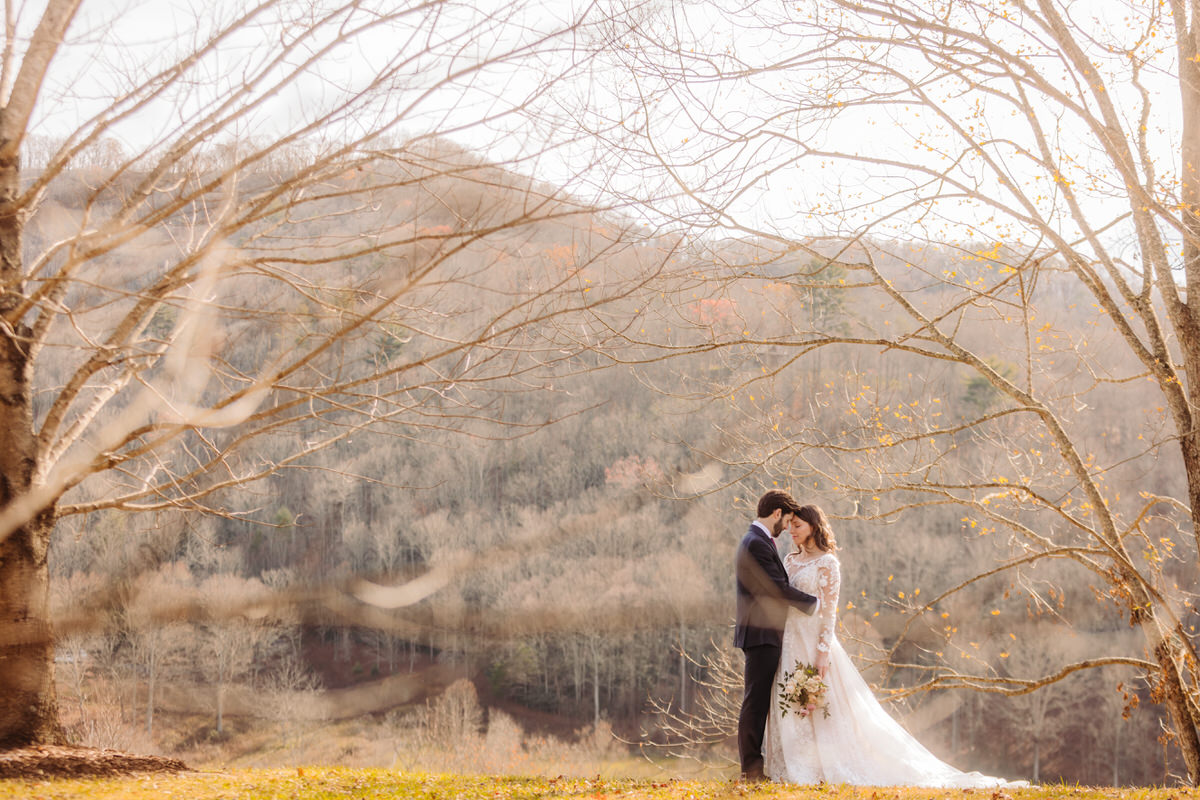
[802,691]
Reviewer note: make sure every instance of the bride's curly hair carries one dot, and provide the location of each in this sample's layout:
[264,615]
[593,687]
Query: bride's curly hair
[822,532]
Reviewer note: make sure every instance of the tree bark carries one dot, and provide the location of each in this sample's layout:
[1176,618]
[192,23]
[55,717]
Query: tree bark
[1116,754]
[595,683]
[1189,339]
[1189,342]
[220,708]
[1175,699]
[28,703]
[150,695]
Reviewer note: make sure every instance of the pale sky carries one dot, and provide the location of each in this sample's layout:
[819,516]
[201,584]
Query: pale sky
[114,42]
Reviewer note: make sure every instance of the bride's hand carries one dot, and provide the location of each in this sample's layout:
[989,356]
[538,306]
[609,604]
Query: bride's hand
[822,666]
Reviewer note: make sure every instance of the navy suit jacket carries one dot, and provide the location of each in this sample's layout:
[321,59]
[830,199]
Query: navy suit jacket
[763,592]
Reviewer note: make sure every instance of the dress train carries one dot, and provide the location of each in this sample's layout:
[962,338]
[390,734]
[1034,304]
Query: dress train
[858,743]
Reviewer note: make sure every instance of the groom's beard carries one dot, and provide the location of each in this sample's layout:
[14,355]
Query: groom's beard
[778,529]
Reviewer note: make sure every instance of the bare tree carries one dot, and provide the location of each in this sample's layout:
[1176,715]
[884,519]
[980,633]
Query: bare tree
[1001,194]
[157,645]
[1034,714]
[257,244]
[291,692]
[710,722]
[228,641]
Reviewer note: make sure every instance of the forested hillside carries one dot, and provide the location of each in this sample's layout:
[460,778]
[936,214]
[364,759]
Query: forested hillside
[579,522]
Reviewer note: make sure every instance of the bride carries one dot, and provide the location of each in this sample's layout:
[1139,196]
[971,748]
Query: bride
[857,743]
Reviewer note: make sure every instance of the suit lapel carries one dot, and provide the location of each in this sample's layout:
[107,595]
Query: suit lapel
[763,535]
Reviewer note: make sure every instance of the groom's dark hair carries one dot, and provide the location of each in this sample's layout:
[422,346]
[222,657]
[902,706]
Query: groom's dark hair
[774,499]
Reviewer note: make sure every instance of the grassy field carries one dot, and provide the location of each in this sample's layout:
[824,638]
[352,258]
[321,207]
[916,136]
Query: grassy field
[326,783]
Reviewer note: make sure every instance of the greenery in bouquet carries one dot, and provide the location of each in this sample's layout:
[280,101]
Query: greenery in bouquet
[802,691]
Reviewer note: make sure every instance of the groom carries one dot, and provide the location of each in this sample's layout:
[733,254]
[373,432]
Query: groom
[763,597]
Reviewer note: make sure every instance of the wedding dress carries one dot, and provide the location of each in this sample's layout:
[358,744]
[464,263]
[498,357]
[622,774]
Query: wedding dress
[858,743]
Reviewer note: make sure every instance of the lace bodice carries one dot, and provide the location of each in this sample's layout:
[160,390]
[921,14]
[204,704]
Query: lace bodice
[821,576]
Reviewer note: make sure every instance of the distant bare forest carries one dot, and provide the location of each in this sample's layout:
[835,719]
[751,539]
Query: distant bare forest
[580,518]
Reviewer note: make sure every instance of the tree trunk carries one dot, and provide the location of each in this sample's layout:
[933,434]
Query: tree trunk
[28,703]
[150,697]
[682,670]
[1116,756]
[596,684]
[1175,699]
[220,708]
[1189,443]
[1173,681]
[1189,324]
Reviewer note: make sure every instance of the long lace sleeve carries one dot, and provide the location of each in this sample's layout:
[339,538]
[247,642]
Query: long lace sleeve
[829,584]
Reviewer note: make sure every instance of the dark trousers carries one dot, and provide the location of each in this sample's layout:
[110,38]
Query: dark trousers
[761,663]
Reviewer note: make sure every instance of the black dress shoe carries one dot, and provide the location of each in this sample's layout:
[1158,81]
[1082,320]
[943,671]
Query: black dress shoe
[754,777]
